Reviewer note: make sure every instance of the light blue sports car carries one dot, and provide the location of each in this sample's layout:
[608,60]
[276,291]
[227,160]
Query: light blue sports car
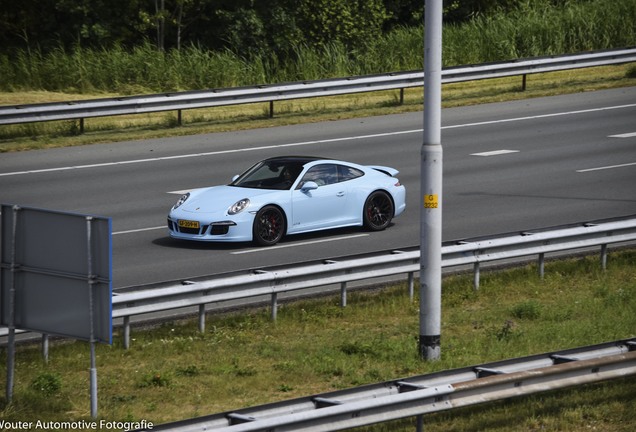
[289,195]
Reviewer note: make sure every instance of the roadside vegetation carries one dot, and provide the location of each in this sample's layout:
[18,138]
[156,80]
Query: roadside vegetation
[529,29]
[175,372]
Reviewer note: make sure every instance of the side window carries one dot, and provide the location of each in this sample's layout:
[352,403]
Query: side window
[348,173]
[324,174]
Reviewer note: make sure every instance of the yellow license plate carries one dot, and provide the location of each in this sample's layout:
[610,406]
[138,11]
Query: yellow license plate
[189,224]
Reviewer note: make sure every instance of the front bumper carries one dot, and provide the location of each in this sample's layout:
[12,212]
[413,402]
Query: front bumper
[214,231]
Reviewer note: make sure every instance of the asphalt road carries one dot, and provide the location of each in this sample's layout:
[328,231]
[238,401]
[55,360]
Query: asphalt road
[507,167]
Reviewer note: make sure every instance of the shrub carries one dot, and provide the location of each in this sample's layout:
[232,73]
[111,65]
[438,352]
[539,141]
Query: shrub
[47,384]
[529,309]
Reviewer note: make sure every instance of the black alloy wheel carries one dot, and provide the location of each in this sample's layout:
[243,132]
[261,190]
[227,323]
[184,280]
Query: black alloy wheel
[378,211]
[269,226]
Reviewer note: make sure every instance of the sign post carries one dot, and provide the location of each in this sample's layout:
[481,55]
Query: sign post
[55,278]
[431,187]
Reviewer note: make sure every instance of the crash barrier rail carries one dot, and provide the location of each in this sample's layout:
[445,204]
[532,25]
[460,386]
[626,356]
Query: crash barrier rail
[81,109]
[425,394]
[271,282]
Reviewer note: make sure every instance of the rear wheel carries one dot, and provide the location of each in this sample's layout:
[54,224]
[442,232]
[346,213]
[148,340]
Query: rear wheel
[269,226]
[378,211]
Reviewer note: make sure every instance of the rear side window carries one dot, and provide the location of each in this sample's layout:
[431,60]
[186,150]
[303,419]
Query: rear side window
[348,173]
[323,174]
[326,174]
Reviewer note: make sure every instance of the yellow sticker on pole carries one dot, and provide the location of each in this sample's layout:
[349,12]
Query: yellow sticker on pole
[431,201]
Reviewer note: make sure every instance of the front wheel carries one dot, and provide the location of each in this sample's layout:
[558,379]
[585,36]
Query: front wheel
[378,211]
[269,226]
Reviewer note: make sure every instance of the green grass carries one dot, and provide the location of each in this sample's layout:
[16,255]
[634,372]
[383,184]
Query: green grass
[146,126]
[175,372]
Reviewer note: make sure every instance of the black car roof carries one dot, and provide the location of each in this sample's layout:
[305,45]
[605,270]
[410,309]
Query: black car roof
[294,159]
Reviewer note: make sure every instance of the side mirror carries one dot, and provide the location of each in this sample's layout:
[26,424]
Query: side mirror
[308,186]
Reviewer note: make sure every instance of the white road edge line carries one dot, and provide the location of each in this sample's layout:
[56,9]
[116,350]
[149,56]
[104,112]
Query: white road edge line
[541,116]
[606,167]
[213,153]
[266,249]
[380,135]
[140,230]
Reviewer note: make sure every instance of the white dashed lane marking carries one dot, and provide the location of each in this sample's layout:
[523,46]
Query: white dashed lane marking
[495,153]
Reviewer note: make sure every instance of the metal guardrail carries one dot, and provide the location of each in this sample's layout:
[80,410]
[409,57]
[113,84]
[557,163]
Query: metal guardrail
[271,282]
[17,114]
[425,394]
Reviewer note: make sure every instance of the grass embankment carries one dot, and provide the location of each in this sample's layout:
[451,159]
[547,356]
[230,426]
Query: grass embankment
[174,372]
[145,126]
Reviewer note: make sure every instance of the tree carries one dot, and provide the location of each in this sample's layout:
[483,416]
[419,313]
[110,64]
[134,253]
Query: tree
[96,23]
[406,13]
[350,23]
[169,21]
[246,27]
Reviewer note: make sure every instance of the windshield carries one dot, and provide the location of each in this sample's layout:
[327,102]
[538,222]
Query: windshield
[270,174]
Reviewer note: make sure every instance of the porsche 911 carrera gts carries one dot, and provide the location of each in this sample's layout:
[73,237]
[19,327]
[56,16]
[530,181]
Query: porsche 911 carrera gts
[289,195]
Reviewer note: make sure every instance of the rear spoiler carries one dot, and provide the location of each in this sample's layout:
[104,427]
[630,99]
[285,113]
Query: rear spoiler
[386,170]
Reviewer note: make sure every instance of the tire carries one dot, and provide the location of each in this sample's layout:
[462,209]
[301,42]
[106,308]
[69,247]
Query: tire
[378,211]
[269,226]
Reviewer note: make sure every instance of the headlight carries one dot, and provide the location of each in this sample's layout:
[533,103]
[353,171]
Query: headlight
[183,199]
[238,206]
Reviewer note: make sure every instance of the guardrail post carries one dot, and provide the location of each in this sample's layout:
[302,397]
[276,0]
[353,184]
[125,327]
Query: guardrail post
[202,318]
[401,96]
[523,82]
[476,275]
[411,286]
[126,332]
[45,347]
[419,425]
[179,117]
[604,257]
[541,265]
[81,131]
[271,109]
[274,306]
[343,294]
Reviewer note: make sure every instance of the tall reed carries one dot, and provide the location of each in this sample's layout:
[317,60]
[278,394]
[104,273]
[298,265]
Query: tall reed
[535,28]
[540,29]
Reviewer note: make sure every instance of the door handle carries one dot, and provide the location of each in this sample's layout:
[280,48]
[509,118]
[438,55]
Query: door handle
[340,194]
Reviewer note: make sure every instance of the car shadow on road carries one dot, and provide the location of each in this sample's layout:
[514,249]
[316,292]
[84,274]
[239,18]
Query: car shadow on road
[318,236]
[170,242]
